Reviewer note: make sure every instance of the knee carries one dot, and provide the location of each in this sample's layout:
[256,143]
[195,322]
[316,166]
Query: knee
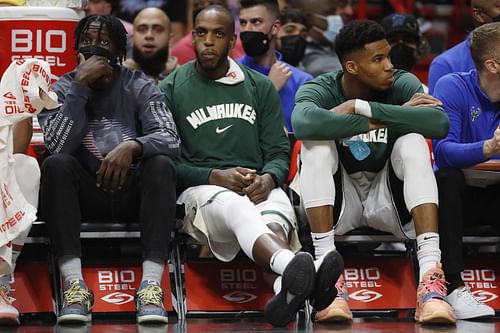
[413,149]
[319,154]
[58,165]
[159,163]
[26,168]
[160,168]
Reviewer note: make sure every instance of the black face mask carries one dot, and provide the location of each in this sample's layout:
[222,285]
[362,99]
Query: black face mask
[293,49]
[89,51]
[153,64]
[403,57]
[496,18]
[254,43]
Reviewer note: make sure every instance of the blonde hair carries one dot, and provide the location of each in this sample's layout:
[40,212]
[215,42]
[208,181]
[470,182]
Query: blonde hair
[484,43]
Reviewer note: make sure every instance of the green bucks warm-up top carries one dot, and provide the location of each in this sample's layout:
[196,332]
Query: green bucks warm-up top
[312,120]
[223,126]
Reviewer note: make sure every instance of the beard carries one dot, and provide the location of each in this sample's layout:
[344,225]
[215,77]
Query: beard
[214,66]
[151,64]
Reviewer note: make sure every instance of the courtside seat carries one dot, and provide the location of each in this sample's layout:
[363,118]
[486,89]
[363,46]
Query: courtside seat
[368,235]
[482,235]
[38,233]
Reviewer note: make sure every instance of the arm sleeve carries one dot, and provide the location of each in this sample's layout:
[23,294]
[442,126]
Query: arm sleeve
[272,136]
[451,152]
[312,120]
[159,133]
[64,127]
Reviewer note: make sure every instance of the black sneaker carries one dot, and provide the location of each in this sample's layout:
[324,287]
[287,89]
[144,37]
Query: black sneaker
[77,304]
[296,286]
[328,273]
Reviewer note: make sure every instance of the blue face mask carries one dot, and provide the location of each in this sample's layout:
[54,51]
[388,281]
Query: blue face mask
[334,24]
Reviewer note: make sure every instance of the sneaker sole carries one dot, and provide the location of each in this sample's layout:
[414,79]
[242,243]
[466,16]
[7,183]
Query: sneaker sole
[74,319]
[152,319]
[328,273]
[298,280]
[474,315]
[9,320]
[438,317]
[336,315]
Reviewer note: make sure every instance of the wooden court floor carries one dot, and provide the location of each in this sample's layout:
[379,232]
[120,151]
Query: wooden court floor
[238,325]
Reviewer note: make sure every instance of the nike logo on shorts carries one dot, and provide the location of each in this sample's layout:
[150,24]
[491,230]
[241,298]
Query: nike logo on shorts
[220,130]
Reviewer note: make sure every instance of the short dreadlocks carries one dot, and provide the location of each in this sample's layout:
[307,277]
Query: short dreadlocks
[114,27]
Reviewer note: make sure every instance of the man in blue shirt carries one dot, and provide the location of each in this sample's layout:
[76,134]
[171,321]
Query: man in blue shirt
[259,25]
[472,101]
[458,58]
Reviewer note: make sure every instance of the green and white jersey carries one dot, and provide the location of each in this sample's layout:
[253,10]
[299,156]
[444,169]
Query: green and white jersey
[312,120]
[226,125]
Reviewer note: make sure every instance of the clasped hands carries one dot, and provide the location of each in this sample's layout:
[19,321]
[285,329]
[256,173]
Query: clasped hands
[244,181]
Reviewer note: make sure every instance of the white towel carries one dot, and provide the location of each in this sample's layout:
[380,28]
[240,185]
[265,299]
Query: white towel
[24,92]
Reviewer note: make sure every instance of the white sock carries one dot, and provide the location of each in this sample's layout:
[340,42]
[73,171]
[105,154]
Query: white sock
[323,243]
[280,259]
[428,252]
[15,255]
[71,268]
[152,270]
[277,285]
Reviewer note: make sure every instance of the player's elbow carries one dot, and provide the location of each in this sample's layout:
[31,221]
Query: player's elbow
[440,126]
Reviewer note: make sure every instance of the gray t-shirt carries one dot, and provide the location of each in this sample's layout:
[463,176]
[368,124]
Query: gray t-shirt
[90,123]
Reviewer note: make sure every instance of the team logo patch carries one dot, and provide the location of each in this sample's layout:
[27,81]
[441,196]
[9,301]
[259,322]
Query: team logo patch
[239,297]
[474,113]
[365,295]
[118,298]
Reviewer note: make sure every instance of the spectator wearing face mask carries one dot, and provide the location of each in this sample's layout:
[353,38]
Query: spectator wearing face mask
[259,26]
[326,18]
[292,36]
[403,34]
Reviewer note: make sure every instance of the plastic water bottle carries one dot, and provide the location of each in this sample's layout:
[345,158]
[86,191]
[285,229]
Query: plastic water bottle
[359,149]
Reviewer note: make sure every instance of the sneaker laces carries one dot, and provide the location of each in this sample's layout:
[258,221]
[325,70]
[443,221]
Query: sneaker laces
[77,295]
[4,295]
[340,285]
[468,297]
[150,295]
[436,284]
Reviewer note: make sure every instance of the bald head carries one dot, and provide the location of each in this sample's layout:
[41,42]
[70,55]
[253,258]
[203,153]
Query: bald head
[213,11]
[154,14]
[151,32]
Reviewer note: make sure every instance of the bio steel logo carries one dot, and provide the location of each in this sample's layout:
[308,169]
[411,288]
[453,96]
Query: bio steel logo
[39,44]
[118,298]
[238,282]
[116,281]
[239,297]
[363,278]
[365,295]
[480,279]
